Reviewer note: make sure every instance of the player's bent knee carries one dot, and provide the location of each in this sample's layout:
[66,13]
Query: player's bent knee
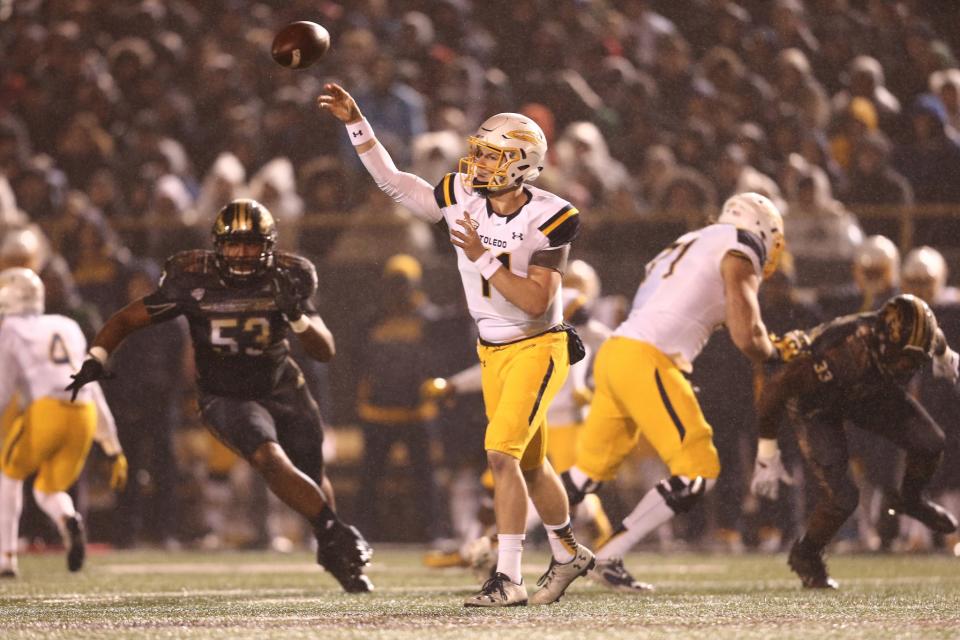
[268,458]
[500,462]
[682,493]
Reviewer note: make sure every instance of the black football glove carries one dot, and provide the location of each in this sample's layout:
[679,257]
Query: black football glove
[286,296]
[91,371]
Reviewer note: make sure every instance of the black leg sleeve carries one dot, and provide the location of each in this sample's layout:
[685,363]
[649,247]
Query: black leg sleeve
[900,419]
[824,446]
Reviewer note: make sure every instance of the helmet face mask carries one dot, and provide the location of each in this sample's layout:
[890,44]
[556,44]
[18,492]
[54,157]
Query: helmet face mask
[244,235]
[507,150]
[21,292]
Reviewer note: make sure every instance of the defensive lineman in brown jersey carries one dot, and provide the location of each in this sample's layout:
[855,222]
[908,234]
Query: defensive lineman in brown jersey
[856,370]
[240,299]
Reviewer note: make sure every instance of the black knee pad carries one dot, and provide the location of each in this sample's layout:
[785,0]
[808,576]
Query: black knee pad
[680,493]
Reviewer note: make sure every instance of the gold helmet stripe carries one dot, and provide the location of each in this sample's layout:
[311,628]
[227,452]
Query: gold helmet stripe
[243,215]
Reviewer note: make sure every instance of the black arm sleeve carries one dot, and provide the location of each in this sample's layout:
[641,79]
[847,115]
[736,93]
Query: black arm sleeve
[795,379]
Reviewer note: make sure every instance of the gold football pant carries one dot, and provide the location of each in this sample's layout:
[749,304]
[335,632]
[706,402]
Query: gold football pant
[562,445]
[519,381]
[641,392]
[52,438]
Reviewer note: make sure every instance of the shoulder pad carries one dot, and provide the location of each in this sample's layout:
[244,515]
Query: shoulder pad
[301,269]
[829,334]
[751,247]
[562,226]
[444,193]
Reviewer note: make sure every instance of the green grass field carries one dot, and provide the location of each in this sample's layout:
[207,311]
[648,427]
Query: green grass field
[258,595]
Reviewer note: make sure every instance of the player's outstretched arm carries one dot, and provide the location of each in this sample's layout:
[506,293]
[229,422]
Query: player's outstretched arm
[409,190]
[131,318]
[747,330]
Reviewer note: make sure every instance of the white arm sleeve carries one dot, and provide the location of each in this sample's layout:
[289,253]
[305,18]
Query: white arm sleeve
[409,190]
[468,380]
[106,435]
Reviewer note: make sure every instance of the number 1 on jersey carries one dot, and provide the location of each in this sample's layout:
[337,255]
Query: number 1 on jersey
[504,259]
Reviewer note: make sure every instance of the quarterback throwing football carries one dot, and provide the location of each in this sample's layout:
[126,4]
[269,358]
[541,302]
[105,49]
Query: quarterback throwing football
[512,242]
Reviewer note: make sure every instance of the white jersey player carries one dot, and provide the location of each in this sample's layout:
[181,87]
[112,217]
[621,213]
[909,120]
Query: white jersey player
[512,242]
[705,279]
[50,436]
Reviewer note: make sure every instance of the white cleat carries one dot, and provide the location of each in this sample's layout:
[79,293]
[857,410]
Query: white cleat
[559,576]
[499,591]
[613,575]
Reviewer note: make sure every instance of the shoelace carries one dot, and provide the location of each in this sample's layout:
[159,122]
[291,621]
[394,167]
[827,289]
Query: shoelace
[548,575]
[493,584]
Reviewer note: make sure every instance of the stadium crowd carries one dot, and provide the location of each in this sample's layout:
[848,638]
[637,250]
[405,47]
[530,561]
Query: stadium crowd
[125,126]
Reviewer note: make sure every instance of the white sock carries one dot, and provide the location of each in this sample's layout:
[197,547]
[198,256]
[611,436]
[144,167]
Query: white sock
[562,542]
[57,505]
[11,504]
[509,552]
[651,512]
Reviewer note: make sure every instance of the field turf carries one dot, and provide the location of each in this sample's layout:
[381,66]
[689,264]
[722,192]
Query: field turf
[266,595]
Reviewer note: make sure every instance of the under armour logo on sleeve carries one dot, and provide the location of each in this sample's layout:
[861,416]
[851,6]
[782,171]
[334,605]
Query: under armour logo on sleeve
[357,134]
[517,236]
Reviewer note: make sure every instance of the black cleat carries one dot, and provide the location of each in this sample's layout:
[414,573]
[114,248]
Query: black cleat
[935,517]
[9,572]
[75,538]
[809,565]
[343,552]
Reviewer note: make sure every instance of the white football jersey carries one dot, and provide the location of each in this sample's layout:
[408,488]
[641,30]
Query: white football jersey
[545,222]
[37,355]
[681,300]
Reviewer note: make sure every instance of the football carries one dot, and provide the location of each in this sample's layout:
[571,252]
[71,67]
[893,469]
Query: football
[299,44]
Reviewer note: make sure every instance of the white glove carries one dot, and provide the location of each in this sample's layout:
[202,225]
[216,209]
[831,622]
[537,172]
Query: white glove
[946,365]
[768,471]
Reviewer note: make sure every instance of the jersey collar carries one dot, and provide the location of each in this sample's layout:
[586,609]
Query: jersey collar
[509,217]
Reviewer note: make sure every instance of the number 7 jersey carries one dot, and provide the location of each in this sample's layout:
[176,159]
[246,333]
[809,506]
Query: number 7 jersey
[681,300]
